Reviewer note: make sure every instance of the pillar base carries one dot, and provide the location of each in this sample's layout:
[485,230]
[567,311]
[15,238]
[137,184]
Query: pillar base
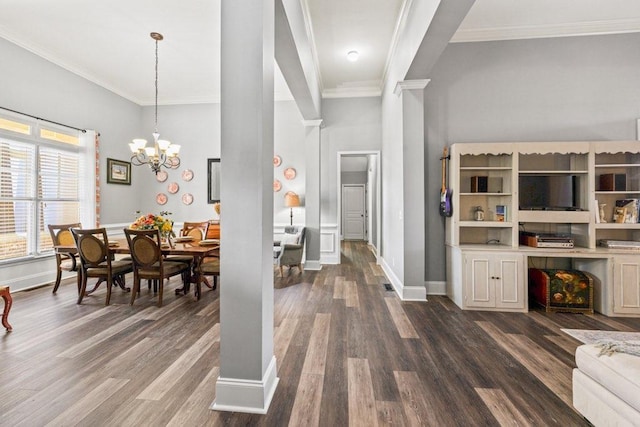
[248,396]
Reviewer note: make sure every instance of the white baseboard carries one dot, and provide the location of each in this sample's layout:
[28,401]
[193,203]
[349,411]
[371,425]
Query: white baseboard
[406,293]
[436,288]
[248,396]
[312,265]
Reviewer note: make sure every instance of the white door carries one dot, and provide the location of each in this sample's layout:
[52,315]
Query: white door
[353,212]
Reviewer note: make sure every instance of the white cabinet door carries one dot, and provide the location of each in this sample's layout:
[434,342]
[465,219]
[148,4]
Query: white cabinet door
[626,285]
[509,274]
[478,281]
[494,280]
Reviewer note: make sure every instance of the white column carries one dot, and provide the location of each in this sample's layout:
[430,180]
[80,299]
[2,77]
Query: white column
[312,194]
[413,140]
[248,374]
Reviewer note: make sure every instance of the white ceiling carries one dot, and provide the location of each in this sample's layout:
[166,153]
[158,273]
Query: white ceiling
[108,42]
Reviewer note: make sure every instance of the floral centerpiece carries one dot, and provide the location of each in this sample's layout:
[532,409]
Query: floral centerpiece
[151,221]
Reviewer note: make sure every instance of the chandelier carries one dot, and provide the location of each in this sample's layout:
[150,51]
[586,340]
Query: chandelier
[162,153]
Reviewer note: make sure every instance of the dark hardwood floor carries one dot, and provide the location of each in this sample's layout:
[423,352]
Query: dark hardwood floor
[349,353]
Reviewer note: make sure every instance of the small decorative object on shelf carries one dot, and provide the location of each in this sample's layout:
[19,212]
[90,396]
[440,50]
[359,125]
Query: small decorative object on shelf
[501,213]
[478,214]
[601,212]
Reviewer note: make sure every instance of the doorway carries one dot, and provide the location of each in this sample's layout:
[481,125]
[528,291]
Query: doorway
[360,169]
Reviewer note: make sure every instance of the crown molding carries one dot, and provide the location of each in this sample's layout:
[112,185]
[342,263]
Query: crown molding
[410,85]
[590,28]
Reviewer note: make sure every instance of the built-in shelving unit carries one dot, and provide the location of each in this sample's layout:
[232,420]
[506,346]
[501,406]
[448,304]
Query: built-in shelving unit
[486,265]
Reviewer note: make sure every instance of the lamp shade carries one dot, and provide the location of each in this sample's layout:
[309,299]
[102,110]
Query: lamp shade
[291,200]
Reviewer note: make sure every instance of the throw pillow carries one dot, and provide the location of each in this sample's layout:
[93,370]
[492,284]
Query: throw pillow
[289,239]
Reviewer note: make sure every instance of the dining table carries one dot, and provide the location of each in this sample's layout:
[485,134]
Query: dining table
[199,250]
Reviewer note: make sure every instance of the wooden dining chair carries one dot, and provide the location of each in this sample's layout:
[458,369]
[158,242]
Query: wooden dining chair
[149,264]
[197,231]
[5,293]
[211,267]
[97,261]
[65,261]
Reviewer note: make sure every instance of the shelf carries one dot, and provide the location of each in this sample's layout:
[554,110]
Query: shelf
[617,226]
[559,217]
[552,172]
[486,168]
[486,224]
[617,192]
[617,165]
[485,194]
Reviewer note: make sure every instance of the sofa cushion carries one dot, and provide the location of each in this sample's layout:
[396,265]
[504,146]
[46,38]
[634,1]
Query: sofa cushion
[619,373]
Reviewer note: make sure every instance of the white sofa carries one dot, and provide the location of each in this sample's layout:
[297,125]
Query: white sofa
[606,389]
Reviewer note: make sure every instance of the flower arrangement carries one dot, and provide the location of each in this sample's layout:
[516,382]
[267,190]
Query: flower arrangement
[151,221]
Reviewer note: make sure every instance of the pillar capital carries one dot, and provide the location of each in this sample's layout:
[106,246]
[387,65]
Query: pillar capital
[313,123]
[410,85]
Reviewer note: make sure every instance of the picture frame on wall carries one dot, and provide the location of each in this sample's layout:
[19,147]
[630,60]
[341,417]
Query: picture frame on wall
[213,181]
[118,172]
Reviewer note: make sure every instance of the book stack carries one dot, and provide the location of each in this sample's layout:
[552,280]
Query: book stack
[501,213]
[626,211]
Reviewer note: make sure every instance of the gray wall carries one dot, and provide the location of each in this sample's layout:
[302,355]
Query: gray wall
[354,177]
[574,88]
[349,124]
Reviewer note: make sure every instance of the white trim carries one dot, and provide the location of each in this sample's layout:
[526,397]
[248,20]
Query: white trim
[618,26]
[436,288]
[403,85]
[405,293]
[312,265]
[247,396]
[313,123]
[352,92]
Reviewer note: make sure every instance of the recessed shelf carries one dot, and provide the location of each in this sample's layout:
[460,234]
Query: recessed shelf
[617,226]
[552,172]
[618,165]
[486,224]
[485,194]
[618,192]
[486,168]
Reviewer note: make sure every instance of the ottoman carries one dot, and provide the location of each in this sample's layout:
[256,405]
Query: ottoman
[606,389]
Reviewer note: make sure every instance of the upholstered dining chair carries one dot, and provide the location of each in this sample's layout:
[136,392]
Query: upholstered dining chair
[61,235]
[291,248]
[96,260]
[211,267]
[148,262]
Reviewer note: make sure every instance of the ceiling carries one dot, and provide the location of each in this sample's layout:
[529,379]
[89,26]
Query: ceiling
[108,42]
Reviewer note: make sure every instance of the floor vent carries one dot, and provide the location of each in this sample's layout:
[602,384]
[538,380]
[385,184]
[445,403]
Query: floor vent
[388,286]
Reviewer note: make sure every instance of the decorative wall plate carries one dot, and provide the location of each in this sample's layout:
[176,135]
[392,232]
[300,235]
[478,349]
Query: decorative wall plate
[173,188]
[162,176]
[161,198]
[174,162]
[289,173]
[277,186]
[187,175]
[277,161]
[187,198]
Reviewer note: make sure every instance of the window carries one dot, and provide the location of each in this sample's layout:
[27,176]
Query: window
[41,183]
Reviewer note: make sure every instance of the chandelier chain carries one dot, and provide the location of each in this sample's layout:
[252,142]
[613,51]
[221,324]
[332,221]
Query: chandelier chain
[156,113]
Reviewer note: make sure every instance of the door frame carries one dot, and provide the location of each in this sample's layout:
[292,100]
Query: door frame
[378,209]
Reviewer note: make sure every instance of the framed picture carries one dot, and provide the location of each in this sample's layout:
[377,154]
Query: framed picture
[213,184]
[118,172]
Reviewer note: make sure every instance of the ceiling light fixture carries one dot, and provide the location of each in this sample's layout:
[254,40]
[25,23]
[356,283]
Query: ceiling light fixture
[163,153]
[352,55]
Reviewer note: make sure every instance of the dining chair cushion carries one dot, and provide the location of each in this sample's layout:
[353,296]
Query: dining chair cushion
[170,268]
[145,251]
[117,267]
[211,267]
[65,238]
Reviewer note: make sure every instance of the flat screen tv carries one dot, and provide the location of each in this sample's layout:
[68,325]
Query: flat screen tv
[547,192]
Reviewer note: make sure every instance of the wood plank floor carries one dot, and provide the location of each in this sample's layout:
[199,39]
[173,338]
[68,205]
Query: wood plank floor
[348,351]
